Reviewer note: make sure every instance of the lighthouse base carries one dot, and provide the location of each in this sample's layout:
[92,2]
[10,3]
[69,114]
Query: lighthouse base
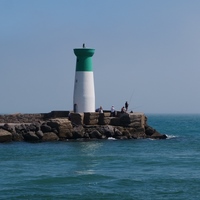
[84,94]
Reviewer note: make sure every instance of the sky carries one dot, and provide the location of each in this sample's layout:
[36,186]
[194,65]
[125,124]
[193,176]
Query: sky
[146,53]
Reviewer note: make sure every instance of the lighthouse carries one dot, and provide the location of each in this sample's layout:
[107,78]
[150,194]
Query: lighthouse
[84,92]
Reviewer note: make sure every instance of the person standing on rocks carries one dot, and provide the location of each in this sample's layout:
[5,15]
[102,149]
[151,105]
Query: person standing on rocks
[112,111]
[126,106]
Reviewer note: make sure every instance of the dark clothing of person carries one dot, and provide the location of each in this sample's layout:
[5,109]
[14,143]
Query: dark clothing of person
[126,106]
[123,110]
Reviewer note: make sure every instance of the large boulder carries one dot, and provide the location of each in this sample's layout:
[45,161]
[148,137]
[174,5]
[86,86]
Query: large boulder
[53,123]
[126,133]
[21,129]
[157,135]
[95,134]
[50,136]
[118,132]
[17,137]
[8,127]
[63,127]
[45,128]
[107,130]
[78,132]
[34,127]
[5,136]
[30,136]
[152,133]
[149,130]
[39,134]
[137,132]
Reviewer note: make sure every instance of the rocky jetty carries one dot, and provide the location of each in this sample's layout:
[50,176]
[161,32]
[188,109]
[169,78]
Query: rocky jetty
[59,125]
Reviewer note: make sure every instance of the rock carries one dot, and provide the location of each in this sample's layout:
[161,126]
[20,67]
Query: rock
[149,130]
[45,128]
[65,130]
[17,137]
[66,134]
[86,135]
[117,132]
[78,132]
[53,123]
[50,136]
[95,134]
[157,135]
[126,133]
[121,137]
[39,134]
[30,137]
[63,127]
[20,128]
[138,135]
[9,128]
[34,127]
[54,130]
[152,133]
[107,130]
[5,136]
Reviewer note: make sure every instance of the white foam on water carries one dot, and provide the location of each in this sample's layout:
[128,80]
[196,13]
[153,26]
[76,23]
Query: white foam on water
[151,139]
[168,137]
[171,136]
[85,172]
[111,138]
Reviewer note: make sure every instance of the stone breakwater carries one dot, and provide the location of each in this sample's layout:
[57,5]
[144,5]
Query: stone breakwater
[59,125]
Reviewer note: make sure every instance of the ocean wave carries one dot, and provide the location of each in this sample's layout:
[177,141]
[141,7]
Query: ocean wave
[168,137]
[85,172]
[171,136]
[111,138]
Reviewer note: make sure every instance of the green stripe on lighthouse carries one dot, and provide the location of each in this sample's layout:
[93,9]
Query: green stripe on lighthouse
[84,59]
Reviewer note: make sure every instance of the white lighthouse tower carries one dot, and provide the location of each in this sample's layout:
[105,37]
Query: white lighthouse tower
[84,94]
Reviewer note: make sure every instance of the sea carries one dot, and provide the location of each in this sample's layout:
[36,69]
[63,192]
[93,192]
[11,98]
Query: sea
[108,169]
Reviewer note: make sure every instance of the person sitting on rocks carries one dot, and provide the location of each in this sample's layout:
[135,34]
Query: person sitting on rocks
[100,109]
[123,110]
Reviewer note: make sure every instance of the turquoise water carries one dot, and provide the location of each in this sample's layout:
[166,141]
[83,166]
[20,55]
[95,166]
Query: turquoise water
[107,169]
